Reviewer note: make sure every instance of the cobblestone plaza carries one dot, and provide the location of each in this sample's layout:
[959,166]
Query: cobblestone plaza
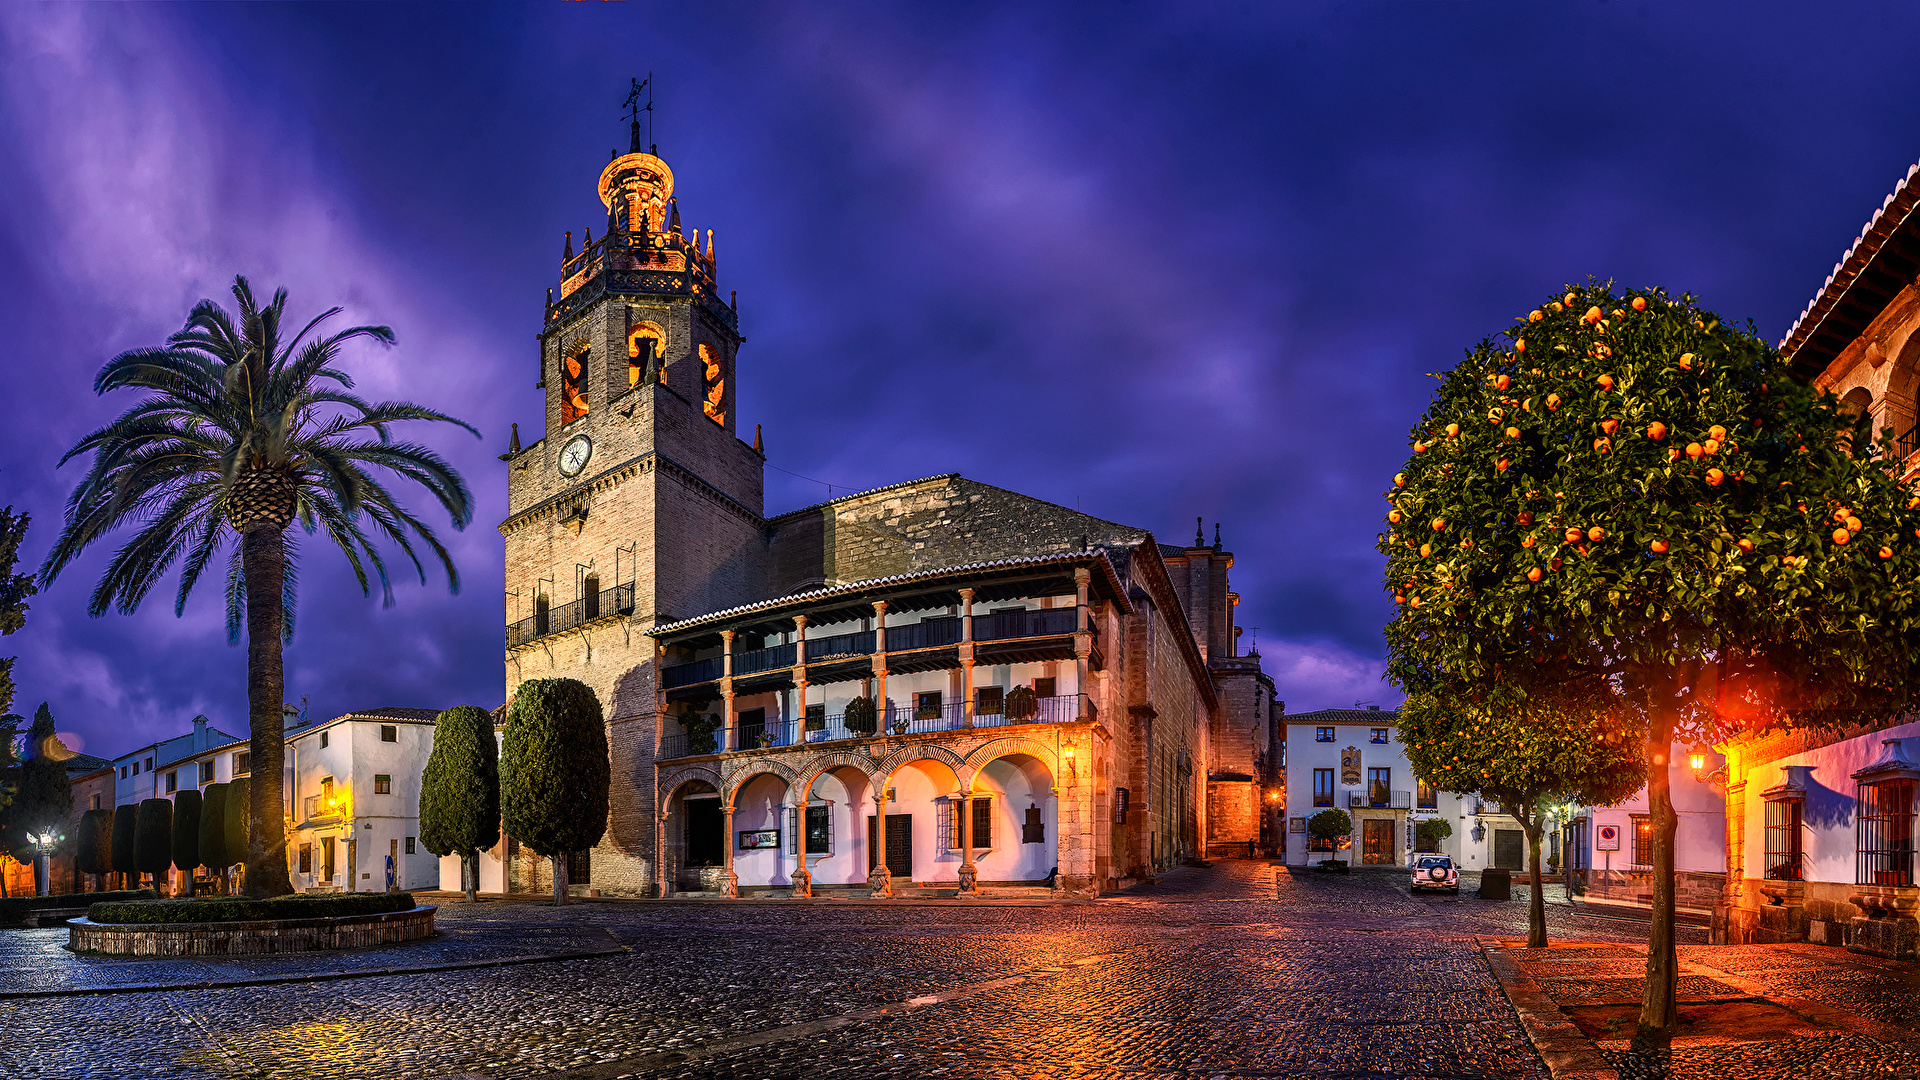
[1239,970]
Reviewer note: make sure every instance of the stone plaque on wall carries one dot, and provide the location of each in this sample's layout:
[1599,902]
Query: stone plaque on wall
[1350,765]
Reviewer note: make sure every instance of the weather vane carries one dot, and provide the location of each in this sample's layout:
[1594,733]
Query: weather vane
[635,108]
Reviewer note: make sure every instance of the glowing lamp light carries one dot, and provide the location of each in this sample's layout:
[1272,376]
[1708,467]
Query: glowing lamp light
[1067,753]
[1697,760]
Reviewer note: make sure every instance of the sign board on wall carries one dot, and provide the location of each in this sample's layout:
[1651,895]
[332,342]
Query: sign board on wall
[1350,765]
[1606,838]
[1298,824]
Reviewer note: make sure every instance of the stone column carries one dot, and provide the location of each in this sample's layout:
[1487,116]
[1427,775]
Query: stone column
[800,677]
[732,887]
[802,877]
[1722,930]
[969,874]
[659,700]
[1072,821]
[726,695]
[1082,639]
[880,666]
[965,652]
[878,879]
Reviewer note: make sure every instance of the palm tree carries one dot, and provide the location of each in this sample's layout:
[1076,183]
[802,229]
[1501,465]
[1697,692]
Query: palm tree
[243,432]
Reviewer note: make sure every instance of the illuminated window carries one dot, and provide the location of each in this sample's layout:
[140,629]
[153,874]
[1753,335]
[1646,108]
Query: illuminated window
[645,343]
[1379,787]
[573,385]
[1429,798]
[1783,840]
[1642,840]
[1884,817]
[716,384]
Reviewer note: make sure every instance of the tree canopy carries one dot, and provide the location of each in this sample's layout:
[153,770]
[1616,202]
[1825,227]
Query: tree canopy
[120,850]
[43,803]
[554,771]
[1624,492]
[93,848]
[186,830]
[153,838]
[212,842]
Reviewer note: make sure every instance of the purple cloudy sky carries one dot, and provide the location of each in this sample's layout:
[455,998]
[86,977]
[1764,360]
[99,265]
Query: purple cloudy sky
[1152,261]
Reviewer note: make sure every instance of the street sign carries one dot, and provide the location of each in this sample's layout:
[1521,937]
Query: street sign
[1606,838]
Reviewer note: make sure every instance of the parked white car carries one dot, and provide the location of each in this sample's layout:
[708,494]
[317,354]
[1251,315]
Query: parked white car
[1435,872]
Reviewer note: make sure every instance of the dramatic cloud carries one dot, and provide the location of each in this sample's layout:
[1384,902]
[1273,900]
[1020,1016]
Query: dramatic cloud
[1154,262]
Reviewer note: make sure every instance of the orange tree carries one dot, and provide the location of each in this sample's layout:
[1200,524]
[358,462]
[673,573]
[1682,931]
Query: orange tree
[1524,758]
[1622,488]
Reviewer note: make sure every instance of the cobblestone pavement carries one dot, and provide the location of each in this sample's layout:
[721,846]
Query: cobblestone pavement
[1242,970]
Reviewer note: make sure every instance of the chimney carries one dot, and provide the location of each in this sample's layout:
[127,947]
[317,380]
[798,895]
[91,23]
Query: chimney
[200,733]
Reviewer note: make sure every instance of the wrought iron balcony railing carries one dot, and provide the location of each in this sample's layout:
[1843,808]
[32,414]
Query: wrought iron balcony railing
[902,719]
[617,600]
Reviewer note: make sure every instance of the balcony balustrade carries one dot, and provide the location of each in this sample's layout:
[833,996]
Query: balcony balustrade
[1381,799]
[901,719]
[615,601]
[319,808]
[927,634]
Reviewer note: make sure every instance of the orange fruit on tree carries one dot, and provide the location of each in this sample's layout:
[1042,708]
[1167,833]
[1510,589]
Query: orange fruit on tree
[1853,524]
[1715,477]
[1465,544]
[1570,297]
[1399,479]
[1524,517]
[1502,382]
[1555,564]
[1673,453]
[1553,402]
[1453,430]
[1639,303]
[1593,315]
[1745,545]
[1573,535]
[1712,446]
[1717,433]
[1399,598]
[1841,536]
[1603,445]
[1694,450]
[1596,534]
[1513,433]
[1656,431]
[1520,346]
[1659,547]
[1609,425]
[1605,381]
[1534,574]
[1414,601]
[1393,516]
[1440,524]
[1686,361]
[1535,315]
[1886,553]
[1426,550]
[1526,542]
[1502,464]
[1419,448]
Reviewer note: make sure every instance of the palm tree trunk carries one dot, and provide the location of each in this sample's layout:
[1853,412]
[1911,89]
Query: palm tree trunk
[1659,1007]
[263,561]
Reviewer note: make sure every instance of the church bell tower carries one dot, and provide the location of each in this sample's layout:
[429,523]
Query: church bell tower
[639,505]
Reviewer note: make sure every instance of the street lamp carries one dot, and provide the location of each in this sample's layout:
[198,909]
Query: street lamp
[43,843]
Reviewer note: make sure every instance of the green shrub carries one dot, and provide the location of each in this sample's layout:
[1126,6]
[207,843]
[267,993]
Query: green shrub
[1431,831]
[232,908]
[702,733]
[14,909]
[213,828]
[1329,825]
[93,847]
[186,832]
[1021,704]
[153,838]
[124,820]
[239,819]
[555,771]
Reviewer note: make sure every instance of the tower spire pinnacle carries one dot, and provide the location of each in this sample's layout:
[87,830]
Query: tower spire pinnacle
[635,108]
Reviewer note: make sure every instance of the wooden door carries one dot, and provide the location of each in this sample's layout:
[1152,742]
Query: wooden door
[899,850]
[1376,842]
[1509,849]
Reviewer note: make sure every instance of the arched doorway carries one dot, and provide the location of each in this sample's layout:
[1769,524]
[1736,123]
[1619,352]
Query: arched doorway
[693,848]
[1013,797]
[764,853]
[914,840]
[833,833]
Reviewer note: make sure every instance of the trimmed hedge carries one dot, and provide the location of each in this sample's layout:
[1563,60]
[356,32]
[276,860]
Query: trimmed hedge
[233,908]
[14,909]
[153,838]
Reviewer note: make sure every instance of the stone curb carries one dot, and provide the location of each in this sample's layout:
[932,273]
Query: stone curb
[1567,1054]
[320,976]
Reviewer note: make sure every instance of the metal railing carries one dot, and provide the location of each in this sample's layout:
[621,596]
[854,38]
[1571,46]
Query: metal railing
[1381,799]
[858,643]
[901,718]
[316,808]
[615,601]
[697,672]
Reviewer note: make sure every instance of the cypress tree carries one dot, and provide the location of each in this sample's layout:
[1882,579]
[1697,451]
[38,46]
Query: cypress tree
[94,846]
[213,829]
[238,827]
[460,791]
[153,838]
[554,771]
[120,849]
[186,834]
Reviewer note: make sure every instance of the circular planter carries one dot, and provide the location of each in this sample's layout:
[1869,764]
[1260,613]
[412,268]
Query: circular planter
[249,937]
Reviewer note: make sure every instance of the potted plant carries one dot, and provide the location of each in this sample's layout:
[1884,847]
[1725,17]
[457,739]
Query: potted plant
[1020,704]
[1330,826]
[702,733]
[861,716]
[1431,832]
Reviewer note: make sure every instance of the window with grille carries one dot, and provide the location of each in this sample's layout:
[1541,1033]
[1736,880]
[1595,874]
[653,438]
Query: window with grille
[1323,787]
[389,733]
[1884,816]
[382,784]
[306,858]
[411,845]
[580,867]
[1429,798]
[820,830]
[242,763]
[1642,840]
[1783,840]
[982,823]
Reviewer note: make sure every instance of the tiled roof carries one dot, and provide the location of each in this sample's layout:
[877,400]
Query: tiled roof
[1894,212]
[863,494]
[1342,716]
[390,712]
[86,763]
[880,582]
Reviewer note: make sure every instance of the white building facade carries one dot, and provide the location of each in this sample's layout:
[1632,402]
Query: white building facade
[1609,849]
[355,793]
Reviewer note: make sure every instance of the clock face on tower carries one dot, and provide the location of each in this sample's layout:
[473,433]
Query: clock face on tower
[574,455]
